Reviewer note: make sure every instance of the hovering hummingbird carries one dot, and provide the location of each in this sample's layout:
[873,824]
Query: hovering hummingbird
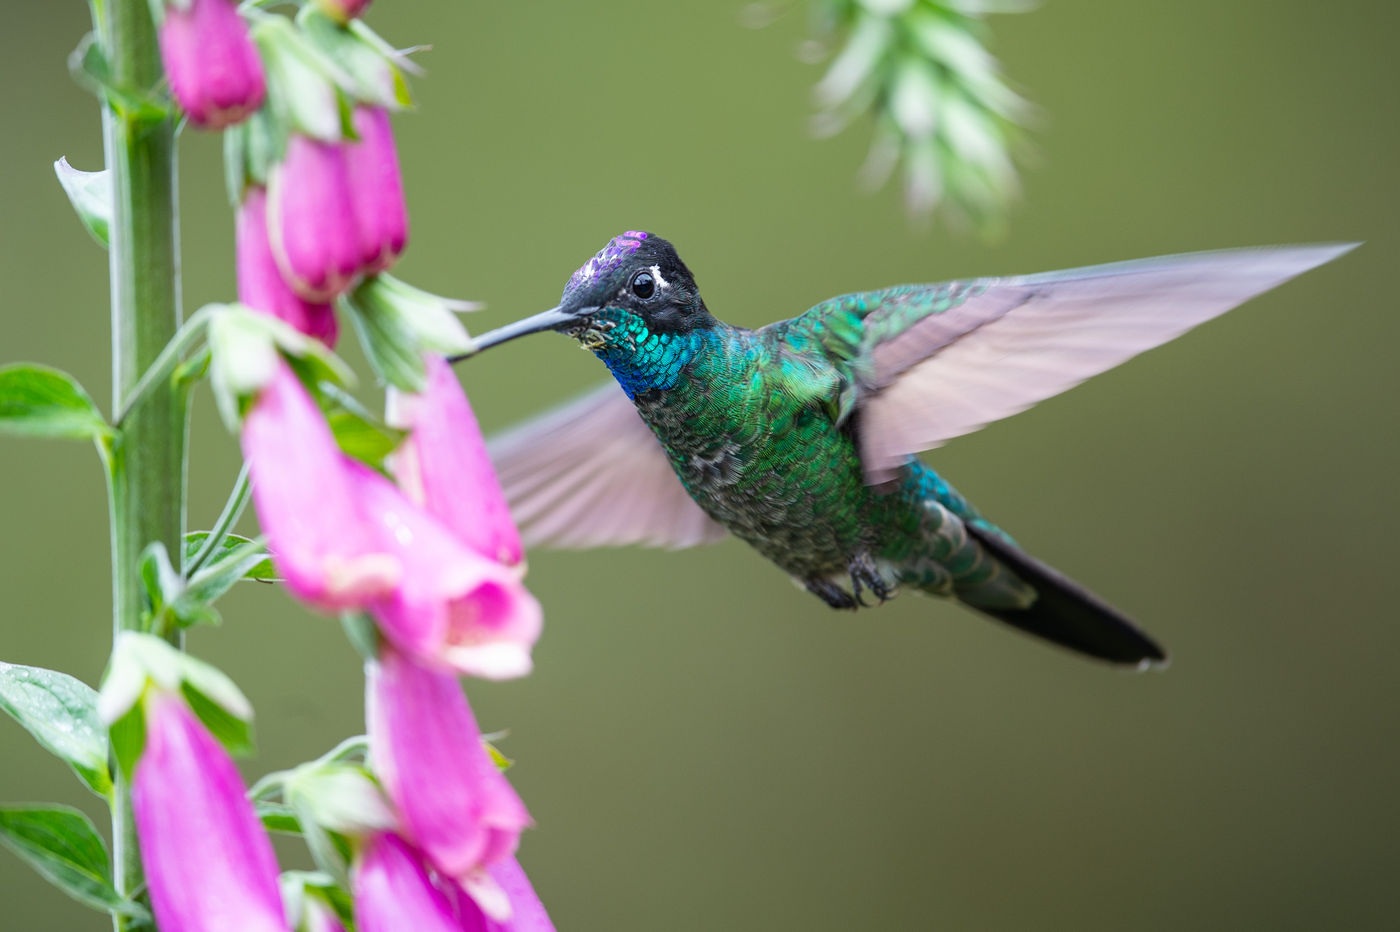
[800,437]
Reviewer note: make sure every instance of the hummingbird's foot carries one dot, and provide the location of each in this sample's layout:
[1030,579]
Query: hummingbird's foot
[865,575]
[830,593]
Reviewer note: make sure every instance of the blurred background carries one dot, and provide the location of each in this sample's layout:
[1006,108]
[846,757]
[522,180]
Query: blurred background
[702,745]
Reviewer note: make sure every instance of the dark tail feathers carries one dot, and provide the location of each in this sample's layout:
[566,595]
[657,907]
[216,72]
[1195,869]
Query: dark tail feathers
[1069,614]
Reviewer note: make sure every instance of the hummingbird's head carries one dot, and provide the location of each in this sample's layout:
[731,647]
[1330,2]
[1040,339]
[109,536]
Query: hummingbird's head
[636,278]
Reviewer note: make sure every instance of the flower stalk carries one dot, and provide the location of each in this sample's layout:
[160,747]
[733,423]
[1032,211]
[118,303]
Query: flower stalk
[147,459]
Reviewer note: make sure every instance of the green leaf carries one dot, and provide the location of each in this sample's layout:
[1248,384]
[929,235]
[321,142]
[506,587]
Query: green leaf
[261,571]
[397,323]
[331,855]
[141,661]
[277,817]
[362,439]
[234,733]
[90,193]
[40,401]
[61,713]
[89,66]
[297,885]
[61,844]
[217,578]
[128,739]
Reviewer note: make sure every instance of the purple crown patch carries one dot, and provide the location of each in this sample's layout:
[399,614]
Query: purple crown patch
[608,258]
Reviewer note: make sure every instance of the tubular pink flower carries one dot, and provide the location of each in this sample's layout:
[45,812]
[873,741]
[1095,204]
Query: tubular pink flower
[343,10]
[214,70]
[443,465]
[311,218]
[454,803]
[393,893]
[260,283]
[208,863]
[527,913]
[453,608]
[376,189]
[310,502]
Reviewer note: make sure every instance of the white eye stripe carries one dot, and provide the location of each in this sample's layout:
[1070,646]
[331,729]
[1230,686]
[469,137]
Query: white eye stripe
[656,274]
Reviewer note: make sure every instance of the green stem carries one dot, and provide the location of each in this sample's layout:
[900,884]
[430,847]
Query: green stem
[233,509]
[148,457]
[165,363]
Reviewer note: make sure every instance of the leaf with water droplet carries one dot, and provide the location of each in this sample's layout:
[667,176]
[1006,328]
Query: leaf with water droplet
[61,844]
[61,713]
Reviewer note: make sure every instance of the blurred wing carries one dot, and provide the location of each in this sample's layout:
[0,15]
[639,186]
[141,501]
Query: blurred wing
[992,347]
[592,474]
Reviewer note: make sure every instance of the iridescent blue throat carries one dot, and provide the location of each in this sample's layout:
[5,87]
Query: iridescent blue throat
[641,360]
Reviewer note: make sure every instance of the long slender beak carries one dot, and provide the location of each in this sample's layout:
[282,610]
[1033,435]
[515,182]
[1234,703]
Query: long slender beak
[551,319]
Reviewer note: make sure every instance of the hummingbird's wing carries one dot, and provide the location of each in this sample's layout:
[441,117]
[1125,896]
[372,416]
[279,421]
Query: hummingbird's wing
[590,473]
[937,361]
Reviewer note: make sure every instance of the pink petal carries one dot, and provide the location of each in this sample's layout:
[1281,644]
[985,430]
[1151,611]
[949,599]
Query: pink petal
[260,282]
[208,863]
[309,499]
[393,892]
[311,219]
[426,749]
[452,608]
[525,912]
[214,69]
[372,167]
[444,466]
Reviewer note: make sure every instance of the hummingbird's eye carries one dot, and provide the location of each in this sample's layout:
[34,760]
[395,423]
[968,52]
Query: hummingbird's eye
[643,285]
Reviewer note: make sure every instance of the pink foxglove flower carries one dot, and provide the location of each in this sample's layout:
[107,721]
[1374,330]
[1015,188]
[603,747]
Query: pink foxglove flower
[343,10]
[214,70]
[311,217]
[310,502]
[527,913]
[444,467]
[209,865]
[393,893]
[454,803]
[260,283]
[376,188]
[453,608]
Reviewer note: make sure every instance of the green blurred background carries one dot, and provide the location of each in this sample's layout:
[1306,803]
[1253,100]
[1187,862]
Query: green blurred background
[702,745]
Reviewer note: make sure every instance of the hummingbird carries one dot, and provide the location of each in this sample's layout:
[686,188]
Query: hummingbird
[800,437]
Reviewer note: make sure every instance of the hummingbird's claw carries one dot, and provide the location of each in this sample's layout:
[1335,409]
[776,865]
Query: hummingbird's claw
[830,593]
[865,575]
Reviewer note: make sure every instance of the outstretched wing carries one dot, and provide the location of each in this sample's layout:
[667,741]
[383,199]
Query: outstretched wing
[592,474]
[938,361]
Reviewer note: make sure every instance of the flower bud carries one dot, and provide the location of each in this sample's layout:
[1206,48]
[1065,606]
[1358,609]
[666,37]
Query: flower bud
[376,188]
[393,892]
[311,218]
[214,70]
[443,465]
[342,11]
[260,283]
[453,802]
[209,865]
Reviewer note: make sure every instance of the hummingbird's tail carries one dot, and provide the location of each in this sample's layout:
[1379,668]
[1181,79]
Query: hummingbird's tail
[1067,613]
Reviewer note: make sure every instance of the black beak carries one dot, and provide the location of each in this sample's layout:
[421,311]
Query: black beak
[552,319]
